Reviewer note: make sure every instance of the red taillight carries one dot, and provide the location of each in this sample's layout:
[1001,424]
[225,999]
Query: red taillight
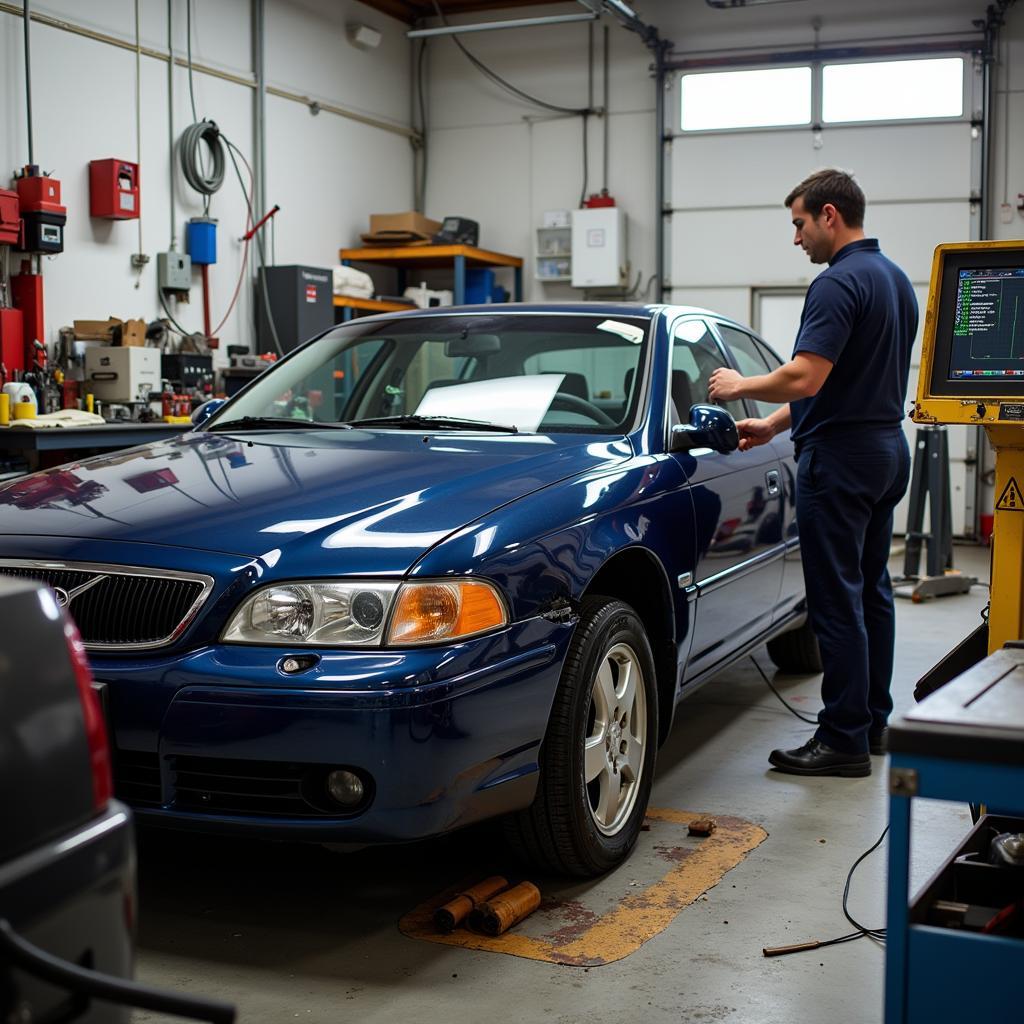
[95,728]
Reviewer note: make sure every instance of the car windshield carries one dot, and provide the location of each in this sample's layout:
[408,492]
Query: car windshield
[528,372]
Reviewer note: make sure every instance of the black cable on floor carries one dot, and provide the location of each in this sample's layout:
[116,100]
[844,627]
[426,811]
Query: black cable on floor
[878,934]
[785,703]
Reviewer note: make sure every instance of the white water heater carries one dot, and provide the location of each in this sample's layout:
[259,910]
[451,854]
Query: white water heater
[599,247]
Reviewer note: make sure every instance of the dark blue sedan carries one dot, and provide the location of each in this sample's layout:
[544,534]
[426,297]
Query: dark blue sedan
[430,568]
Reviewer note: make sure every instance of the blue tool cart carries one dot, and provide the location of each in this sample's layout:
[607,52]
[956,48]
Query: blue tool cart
[965,742]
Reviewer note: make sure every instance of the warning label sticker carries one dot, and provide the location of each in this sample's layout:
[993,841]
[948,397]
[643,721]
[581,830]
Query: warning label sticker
[1011,500]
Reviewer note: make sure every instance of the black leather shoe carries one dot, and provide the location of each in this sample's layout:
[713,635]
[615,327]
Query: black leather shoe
[878,742]
[814,758]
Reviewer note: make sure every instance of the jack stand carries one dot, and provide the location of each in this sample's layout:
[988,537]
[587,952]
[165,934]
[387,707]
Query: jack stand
[930,480]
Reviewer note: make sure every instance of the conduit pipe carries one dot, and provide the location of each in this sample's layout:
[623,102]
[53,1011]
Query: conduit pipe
[226,76]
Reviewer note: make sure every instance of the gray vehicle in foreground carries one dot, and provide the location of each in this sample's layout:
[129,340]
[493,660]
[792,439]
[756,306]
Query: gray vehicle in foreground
[67,862]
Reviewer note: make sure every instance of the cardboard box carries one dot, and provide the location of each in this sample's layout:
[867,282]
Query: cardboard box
[400,228]
[133,332]
[96,330]
[113,331]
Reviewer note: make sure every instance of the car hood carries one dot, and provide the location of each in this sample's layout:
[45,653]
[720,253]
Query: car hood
[365,501]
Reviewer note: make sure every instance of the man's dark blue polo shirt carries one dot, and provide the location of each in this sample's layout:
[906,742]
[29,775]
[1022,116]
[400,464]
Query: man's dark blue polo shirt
[861,315]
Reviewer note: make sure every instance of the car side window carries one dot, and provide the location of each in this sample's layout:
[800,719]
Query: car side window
[695,356]
[751,361]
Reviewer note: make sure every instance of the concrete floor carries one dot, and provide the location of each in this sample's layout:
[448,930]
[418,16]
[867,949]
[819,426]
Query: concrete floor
[300,933]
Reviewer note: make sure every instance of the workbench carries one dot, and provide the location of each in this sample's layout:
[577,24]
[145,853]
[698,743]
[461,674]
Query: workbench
[406,258]
[105,436]
[964,742]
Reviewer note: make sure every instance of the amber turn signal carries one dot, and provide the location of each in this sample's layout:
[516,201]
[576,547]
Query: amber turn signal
[429,612]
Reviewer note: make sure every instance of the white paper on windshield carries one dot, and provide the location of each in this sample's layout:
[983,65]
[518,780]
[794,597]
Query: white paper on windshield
[631,332]
[511,401]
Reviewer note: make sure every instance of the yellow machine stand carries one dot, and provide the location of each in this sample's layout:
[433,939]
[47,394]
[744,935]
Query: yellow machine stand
[972,372]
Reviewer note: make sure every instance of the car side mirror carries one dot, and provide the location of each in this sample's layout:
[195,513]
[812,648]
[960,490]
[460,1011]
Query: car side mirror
[710,427]
[201,413]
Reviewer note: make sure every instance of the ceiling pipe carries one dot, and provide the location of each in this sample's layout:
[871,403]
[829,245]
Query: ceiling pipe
[489,26]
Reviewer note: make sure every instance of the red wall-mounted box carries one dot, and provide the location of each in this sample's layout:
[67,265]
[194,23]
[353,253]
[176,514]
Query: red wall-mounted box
[114,189]
[10,218]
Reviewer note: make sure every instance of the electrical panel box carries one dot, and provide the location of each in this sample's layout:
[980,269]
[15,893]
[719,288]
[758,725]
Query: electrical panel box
[173,271]
[187,370]
[114,189]
[115,373]
[301,301]
[42,214]
[599,248]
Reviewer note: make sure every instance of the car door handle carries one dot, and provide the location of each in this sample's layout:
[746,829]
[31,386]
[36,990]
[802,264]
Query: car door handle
[774,483]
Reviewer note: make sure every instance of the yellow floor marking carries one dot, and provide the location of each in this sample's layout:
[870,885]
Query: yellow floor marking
[639,916]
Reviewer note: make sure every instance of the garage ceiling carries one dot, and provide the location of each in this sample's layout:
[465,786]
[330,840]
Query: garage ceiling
[412,10]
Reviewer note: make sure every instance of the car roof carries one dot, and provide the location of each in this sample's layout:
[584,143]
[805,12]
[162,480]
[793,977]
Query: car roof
[578,308]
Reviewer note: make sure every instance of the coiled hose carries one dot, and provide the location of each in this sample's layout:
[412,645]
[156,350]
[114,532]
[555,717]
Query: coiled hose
[191,164]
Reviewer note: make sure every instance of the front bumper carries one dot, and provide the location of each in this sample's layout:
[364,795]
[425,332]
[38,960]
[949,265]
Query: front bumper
[222,740]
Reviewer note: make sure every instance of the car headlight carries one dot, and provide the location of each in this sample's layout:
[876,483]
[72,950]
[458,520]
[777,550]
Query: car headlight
[366,614]
[318,614]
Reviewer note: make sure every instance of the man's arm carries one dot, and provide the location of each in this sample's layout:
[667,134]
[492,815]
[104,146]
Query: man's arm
[801,377]
[756,432]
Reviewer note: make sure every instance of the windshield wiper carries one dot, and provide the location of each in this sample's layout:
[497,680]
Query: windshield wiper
[275,423]
[441,422]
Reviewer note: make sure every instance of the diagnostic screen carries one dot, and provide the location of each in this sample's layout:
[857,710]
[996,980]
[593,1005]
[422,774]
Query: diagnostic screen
[988,326]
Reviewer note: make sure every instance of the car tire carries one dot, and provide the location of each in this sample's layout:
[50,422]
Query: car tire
[797,650]
[603,723]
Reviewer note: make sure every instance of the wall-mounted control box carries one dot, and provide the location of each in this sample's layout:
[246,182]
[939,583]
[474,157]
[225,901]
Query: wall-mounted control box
[173,271]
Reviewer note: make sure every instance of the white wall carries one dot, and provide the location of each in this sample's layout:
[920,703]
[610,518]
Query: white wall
[326,172]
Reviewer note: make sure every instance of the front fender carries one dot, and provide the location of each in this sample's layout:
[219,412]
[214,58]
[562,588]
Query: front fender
[545,549]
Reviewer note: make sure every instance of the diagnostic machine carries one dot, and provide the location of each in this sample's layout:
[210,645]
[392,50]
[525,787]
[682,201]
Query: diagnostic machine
[972,372]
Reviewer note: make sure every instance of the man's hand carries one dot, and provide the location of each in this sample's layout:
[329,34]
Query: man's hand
[753,432]
[725,385]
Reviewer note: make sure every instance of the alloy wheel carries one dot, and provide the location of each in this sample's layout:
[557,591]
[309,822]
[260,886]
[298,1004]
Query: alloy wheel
[614,747]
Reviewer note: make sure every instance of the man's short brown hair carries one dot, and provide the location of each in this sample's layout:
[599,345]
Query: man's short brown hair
[835,187]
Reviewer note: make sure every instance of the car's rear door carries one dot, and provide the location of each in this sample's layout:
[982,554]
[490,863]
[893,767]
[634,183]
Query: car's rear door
[736,499]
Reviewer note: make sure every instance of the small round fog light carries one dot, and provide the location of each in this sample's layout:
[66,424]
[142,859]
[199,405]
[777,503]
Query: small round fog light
[345,787]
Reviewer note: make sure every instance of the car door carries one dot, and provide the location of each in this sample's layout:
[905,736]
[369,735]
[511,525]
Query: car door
[736,499]
[754,356]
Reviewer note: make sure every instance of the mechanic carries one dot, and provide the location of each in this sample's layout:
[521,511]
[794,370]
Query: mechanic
[845,390]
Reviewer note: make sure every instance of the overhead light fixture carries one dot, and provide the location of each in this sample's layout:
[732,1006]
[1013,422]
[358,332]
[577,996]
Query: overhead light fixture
[363,36]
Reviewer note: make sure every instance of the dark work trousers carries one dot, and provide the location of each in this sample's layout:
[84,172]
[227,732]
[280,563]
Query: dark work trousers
[847,488]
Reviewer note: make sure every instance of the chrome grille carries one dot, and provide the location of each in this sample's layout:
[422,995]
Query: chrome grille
[120,607]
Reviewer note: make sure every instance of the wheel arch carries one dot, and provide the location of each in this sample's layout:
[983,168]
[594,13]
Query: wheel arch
[635,575]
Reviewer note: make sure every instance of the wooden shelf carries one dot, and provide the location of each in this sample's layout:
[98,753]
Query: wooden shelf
[455,258]
[429,256]
[374,305]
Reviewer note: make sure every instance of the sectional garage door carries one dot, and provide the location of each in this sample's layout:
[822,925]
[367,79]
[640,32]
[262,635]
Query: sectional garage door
[729,238]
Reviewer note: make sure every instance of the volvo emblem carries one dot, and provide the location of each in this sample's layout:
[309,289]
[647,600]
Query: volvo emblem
[63,597]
